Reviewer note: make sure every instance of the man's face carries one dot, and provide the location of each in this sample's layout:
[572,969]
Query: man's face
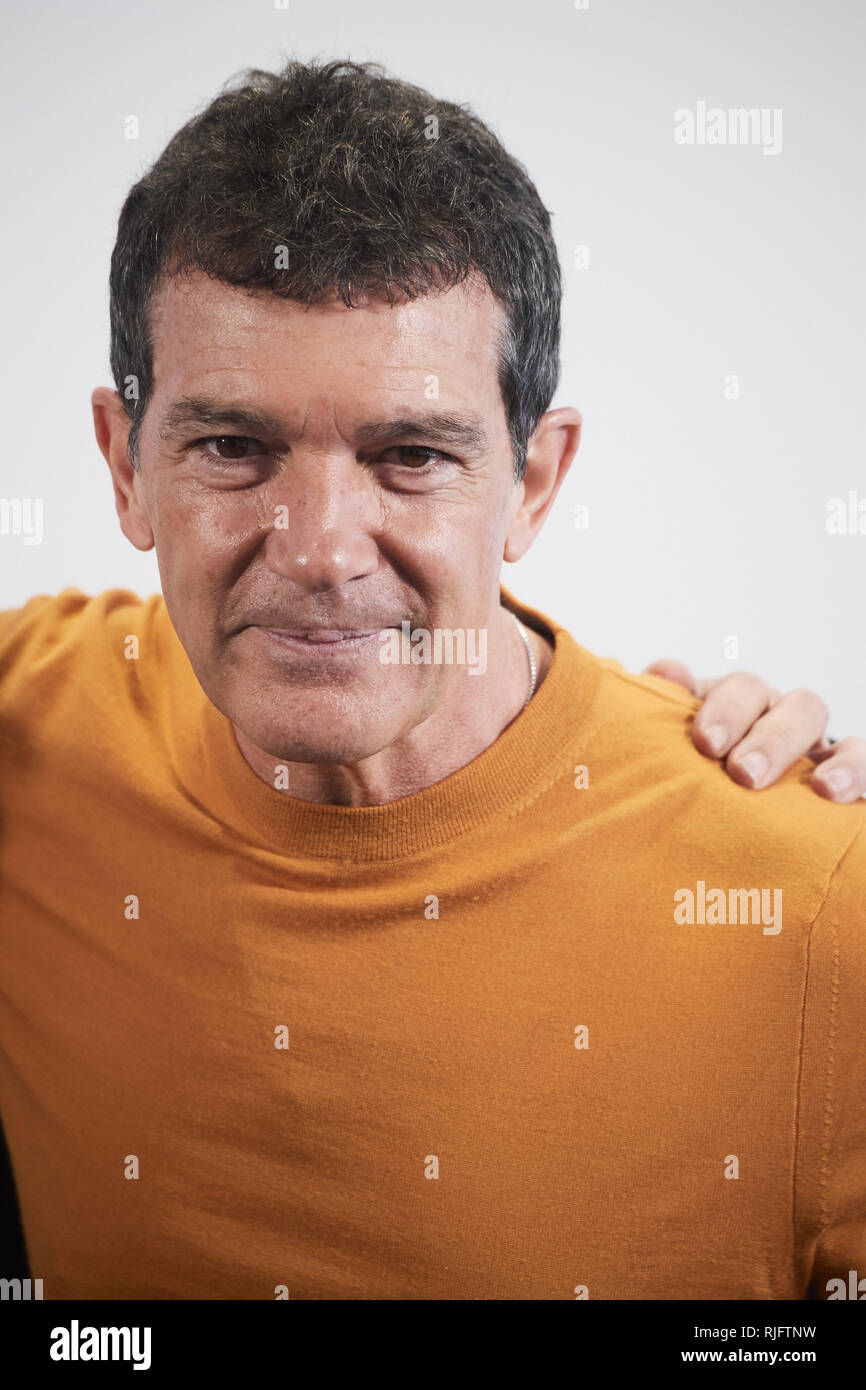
[284,496]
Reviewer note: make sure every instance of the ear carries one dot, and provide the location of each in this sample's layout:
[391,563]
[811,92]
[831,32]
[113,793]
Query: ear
[111,425]
[549,453]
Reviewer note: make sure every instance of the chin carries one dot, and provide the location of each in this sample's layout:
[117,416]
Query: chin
[316,741]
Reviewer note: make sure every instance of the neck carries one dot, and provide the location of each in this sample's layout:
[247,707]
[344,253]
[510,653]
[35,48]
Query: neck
[457,731]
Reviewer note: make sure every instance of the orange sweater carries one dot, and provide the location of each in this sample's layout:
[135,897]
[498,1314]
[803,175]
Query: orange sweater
[467,1045]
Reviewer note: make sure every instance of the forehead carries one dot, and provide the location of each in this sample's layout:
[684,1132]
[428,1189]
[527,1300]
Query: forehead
[206,332]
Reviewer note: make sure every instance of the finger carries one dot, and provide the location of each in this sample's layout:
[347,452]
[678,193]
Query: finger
[778,739]
[824,748]
[842,776]
[729,711]
[673,670]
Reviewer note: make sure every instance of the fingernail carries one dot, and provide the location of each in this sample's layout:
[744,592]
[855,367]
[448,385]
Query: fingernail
[838,780]
[755,765]
[716,736]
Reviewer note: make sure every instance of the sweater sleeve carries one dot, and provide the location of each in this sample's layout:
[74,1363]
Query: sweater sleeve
[28,632]
[830,1127]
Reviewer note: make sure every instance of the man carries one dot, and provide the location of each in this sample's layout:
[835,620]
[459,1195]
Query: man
[367,936]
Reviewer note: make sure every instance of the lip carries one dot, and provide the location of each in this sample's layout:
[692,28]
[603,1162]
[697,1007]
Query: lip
[321,641]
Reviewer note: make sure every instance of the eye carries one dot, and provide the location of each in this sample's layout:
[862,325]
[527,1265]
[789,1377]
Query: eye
[230,447]
[429,459]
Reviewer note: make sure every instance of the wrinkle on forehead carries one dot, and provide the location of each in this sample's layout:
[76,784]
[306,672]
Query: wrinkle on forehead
[213,337]
[460,314]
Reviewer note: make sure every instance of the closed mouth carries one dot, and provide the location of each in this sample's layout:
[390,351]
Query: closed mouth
[326,638]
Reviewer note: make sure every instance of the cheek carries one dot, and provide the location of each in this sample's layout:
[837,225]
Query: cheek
[470,552]
[203,536]
[455,540]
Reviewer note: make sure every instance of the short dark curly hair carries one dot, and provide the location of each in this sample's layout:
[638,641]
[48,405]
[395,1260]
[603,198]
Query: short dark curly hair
[373,185]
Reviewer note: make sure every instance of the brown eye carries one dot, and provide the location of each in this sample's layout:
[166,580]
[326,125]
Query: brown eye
[420,457]
[231,446]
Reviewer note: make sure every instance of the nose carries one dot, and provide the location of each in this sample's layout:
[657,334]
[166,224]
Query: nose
[325,521]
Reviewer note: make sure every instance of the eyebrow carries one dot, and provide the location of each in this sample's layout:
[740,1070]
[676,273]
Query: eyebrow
[200,412]
[465,431]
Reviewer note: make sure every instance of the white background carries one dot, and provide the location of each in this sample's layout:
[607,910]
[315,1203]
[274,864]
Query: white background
[707,515]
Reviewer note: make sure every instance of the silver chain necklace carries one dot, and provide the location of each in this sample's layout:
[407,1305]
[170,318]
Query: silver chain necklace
[529,652]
